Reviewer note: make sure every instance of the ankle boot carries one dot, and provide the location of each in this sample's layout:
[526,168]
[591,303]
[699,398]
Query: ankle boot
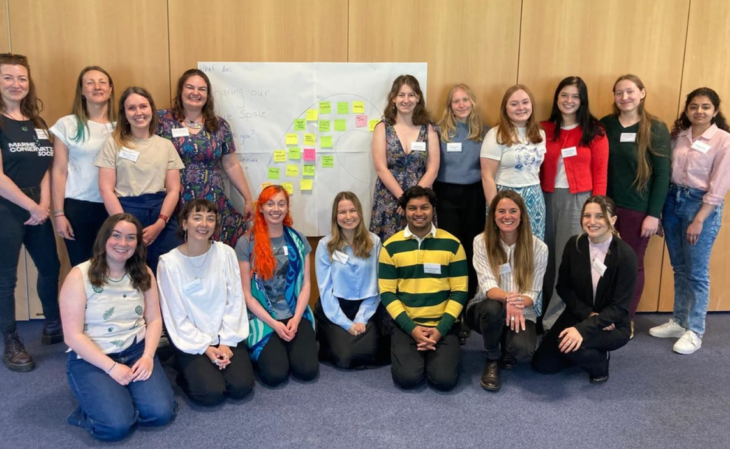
[15,356]
[52,332]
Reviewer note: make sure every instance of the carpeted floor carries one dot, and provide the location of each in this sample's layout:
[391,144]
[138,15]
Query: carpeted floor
[654,399]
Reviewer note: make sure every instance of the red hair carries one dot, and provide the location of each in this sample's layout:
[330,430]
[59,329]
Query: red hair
[263,262]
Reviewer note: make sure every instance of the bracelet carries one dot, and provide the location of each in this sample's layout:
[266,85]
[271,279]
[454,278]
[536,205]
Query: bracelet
[164,218]
[59,214]
[55,211]
[110,369]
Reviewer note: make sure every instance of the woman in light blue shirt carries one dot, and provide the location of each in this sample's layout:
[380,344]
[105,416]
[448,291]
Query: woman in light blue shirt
[347,275]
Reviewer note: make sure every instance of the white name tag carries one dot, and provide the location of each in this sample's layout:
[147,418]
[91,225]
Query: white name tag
[418,146]
[431,268]
[598,266]
[505,269]
[702,147]
[569,152]
[541,150]
[110,127]
[453,147]
[41,133]
[180,132]
[128,154]
[628,137]
[340,257]
[285,249]
[192,287]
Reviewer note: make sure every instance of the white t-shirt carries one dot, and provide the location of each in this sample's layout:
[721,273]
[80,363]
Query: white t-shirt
[519,164]
[82,180]
[561,178]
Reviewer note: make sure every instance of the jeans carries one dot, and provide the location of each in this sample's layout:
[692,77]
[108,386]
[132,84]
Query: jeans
[108,410]
[691,263]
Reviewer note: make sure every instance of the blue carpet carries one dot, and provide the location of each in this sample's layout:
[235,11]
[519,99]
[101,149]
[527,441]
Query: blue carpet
[654,399]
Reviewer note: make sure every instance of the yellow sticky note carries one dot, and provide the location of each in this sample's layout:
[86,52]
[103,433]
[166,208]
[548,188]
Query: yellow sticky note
[311,115]
[309,139]
[305,184]
[308,170]
[340,125]
[273,173]
[328,161]
[324,126]
[292,139]
[295,153]
[292,171]
[300,124]
[266,184]
[325,107]
[289,187]
[279,156]
[372,123]
[358,107]
[325,141]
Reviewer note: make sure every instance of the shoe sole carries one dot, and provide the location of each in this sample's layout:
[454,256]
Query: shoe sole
[17,367]
[47,340]
[677,335]
[490,388]
[683,352]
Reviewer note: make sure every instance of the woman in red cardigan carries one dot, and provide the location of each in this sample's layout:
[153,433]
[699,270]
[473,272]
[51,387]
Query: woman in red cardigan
[574,169]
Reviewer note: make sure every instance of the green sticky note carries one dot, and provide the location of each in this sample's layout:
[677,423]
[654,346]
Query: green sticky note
[325,107]
[300,124]
[324,126]
[328,161]
[340,125]
[372,123]
[292,171]
[295,154]
[325,141]
[308,170]
[306,184]
[358,107]
[343,107]
[279,156]
[273,173]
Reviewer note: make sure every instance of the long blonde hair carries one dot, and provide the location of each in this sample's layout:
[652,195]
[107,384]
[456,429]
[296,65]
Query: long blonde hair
[506,130]
[643,137]
[524,257]
[447,124]
[362,243]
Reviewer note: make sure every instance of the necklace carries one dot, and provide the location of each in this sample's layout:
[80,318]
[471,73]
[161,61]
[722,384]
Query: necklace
[196,269]
[116,281]
[193,124]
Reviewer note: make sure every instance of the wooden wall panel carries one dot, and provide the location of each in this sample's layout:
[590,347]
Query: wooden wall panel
[463,41]
[708,49]
[129,39]
[4,27]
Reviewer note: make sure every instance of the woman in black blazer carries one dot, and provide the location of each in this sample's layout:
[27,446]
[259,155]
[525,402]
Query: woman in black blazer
[596,281]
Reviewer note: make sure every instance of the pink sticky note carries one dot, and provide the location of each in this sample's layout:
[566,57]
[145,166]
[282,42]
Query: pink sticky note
[310,154]
[361,120]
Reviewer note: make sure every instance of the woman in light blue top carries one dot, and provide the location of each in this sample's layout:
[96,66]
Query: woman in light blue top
[347,274]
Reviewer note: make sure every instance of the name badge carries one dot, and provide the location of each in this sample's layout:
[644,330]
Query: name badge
[180,132]
[541,150]
[598,266]
[41,133]
[569,152]
[285,249]
[505,268]
[109,127]
[628,137]
[453,147]
[702,147]
[418,146]
[192,287]
[431,268]
[340,257]
[128,154]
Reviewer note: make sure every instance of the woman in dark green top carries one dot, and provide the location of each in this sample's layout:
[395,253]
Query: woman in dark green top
[639,165]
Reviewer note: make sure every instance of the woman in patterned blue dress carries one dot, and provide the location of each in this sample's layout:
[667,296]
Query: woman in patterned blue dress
[205,144]
[405,153]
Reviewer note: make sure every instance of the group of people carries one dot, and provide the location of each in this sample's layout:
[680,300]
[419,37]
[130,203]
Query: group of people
[570,205]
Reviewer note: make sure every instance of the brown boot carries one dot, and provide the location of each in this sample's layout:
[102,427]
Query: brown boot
[15,356]
[52,332]
[490,376]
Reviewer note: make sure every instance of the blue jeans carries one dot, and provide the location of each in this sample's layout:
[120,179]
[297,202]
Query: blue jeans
[691,263]
[108,410]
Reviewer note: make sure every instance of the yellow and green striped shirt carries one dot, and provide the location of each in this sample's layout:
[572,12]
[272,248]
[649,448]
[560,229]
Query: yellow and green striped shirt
[411,295]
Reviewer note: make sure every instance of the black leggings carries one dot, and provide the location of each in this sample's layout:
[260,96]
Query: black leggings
[299,356]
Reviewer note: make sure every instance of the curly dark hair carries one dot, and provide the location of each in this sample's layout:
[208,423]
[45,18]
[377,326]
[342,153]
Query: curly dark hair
[212,124]
[417,192]
[683,122]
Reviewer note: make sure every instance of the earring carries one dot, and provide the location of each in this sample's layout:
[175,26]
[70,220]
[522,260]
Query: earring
[186,235]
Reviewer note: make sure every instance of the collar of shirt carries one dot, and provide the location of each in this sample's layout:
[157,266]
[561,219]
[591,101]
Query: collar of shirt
[707,135]
[408,234]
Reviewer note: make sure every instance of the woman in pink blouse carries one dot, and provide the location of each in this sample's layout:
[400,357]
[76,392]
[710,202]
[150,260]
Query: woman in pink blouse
[693,213]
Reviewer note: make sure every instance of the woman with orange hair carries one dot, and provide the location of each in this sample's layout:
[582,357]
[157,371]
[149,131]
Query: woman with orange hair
[275,276]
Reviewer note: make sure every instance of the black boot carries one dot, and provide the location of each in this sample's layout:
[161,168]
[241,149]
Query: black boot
[490,376]
[15,356]
[52,332]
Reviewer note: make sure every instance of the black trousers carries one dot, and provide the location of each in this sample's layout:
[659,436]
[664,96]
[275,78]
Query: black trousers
[488,318]
[592,356]
[41,245]
[347,351]
[462,210]
[411,366]
[298,356]
[207,385]
[86,219]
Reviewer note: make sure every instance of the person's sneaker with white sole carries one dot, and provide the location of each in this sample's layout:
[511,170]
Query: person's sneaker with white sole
[688,344]
[669,329]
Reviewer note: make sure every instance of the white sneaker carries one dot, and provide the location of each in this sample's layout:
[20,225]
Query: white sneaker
[669,329]
[688,344]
